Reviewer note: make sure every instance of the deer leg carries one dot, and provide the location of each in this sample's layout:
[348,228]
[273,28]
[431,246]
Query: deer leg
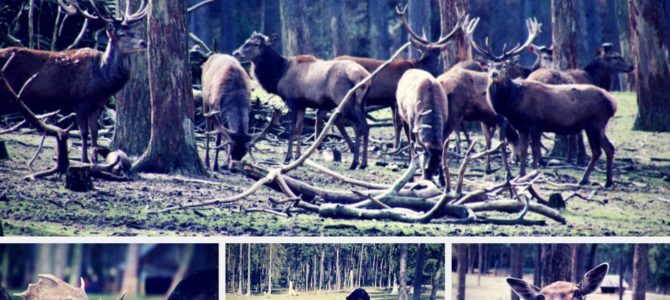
[217,148]
[345,136]
[609,152]
[291,133]
[571,147]
[397,127]
[466,134]
[488,136]
[596,151]
[300,121]
[93,128]
[581,150]
[318,125]
[444,171]
[536,137]
[523,153]
[208,127]
[82,122]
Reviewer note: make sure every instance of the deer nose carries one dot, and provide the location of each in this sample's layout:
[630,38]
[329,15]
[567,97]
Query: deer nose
[237,54]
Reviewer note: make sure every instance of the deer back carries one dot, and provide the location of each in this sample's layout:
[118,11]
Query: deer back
[423,105]
[225,89]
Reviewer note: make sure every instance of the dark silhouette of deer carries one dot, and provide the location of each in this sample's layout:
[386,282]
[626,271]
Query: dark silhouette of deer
[561,290]
[384,85]
[225,99]
[358,294]
[307,82]
[79,80]
[533,107]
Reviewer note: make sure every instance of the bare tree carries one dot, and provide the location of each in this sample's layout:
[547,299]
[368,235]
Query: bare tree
[419,18]
[461,269]
[577,261]
[172,146]
[418,271]
[516,264]
[131,282]
[378,29]
[649,47]
[402,277]
[338,27]
[555,258]
[460,49]
[295,33]
[640,271]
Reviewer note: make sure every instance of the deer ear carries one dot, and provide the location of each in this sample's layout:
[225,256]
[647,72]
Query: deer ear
[593,279]
[524,289]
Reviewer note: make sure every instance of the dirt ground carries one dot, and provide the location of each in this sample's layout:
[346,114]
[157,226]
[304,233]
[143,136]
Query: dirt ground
[495,288]
[638,205]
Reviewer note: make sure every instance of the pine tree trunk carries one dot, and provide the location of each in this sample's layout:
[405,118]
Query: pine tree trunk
[338,28]
[75,265]
[270,271]
[640,271]
[185,257]
[272,21]
[323,253]
[516,264]
[437,276]
[459,50]
[248,270]
[564,15]
[132,128]
[418,271]
[651,60]
[402,277]
[556,261]
[537,272]
[241,272]
[419,20]
[295,33]
[461,269]
[378,29]
[131,283]
[577,262]
[172,146]
[338,279]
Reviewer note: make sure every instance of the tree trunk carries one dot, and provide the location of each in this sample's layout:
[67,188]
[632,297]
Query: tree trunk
[564,14]
[556,261]
[650,57]
[360,265]
[60,255]
[459,50]
[186,257]
[437,276]
[419,20]
[610,33]
[516,264]
[323,253]
[132,128]
[44,259]
[461,269]
[338,28]
[480,263]
[418,271]
[402,280]
[537,272]
[338,279]
[75,265]
[272,21]
[270,271]
[248,270]
[131,282]
[640,271]
[591,261]
[241,272]
[295,32]
[172,146]
[577,262]
[378,29]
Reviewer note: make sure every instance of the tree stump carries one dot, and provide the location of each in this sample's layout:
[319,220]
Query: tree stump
[2,232]
[78,179]
[3,151]
[556,201]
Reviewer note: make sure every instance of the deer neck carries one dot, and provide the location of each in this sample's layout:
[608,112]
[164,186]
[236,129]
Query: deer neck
[538,62]
[113,68]
[429,63]
[236,115]
[269,68]
[598,74]
[505,95]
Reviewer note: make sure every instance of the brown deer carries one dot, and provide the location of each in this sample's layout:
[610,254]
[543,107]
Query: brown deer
[560,290]
[307,82]
[81,80]
[605,64]
[533,107]
[52,287]
[384,85]
[226,96]
[424,110]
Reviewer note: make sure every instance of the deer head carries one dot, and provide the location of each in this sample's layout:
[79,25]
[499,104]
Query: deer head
[118,29]
[499,64]
[430,51]
[241,143]
[51,287]
[612,60]
[544,53]
[254,46]
[560,290]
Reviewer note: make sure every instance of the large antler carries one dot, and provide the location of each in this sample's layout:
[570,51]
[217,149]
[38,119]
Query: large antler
[138,15]
[461,17]
[72,7]
[470,25]
[52,287]
[402,13]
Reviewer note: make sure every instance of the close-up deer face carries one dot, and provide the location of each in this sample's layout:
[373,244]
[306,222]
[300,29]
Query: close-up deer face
[612,60]
[253,47]
[498,70]
[561,290]
[127,41]
[545,53]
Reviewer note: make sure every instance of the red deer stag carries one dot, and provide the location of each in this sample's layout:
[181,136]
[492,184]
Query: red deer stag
[384,85]
[561,290]
[605,64]
[424,111]
[225,96]
[307,82]
[533,107]
[81,80]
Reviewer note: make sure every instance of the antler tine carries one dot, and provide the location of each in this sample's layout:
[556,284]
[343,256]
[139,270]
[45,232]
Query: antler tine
[461,17]
[469,28]
[138,15]
[402,13]
[73,8]
[534,27]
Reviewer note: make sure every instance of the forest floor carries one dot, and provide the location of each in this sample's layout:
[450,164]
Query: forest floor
[638,205]
[495,288]
[375,294]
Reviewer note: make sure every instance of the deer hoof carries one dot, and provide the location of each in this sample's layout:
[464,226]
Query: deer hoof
[353,166]
[584,181]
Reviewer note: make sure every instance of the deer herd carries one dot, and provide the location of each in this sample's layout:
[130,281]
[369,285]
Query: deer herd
[428,104]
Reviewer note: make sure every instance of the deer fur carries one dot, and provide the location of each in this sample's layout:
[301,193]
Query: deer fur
[79,80]
[424,110]
[560,290]
[307,82]
[226,97]
[358,294]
